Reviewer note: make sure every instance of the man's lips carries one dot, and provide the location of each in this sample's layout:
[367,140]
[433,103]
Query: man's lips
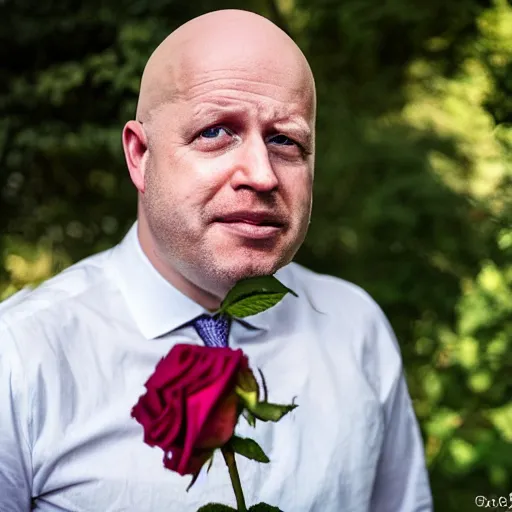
[255,225]
[255,218]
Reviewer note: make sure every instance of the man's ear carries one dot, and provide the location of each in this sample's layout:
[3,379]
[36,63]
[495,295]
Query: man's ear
[135,147]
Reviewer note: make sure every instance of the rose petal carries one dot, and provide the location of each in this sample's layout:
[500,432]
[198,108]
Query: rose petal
[145,413]
[167,428]
[191,365]
[194,464]
[221,361]
[199,406]
[219,427]
[178,362]
[190,403]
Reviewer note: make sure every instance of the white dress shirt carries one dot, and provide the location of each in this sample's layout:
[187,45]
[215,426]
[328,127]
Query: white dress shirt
[75,354]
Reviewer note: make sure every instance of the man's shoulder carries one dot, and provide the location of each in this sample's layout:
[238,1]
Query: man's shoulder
[328,293]
[57,294]
[350,313]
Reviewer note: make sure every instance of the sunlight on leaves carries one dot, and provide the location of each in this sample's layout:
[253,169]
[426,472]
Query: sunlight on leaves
[502,419]
[480,381]
[467,354]
[463,453]
[442,423]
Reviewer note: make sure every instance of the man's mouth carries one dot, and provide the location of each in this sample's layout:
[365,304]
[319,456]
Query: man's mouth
[252,224]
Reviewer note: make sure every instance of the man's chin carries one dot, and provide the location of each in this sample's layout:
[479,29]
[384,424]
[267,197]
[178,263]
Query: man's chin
[254,268]
[241,262]
[219,276]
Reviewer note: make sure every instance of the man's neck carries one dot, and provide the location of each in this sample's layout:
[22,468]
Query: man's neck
[173,276]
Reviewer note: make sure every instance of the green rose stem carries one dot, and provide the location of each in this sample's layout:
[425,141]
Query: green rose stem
[229,457]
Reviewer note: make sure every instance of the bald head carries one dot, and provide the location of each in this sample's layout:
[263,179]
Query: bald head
[208,45]
[225,126]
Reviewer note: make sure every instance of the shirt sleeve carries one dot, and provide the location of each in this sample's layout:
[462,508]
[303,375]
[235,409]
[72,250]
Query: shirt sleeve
[401,482]
[15,457]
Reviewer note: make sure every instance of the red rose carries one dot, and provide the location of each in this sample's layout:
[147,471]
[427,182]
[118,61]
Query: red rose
[190,407]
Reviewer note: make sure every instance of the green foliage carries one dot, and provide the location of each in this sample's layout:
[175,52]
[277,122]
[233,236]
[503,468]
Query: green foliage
[254,304]
[249,417]
[254,295]
[263,507]
[248,448]
[216,507]
[264,411]
[412,186]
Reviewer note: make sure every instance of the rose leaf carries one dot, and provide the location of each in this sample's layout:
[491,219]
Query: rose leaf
[254,295]
[263,507]
[254,304]
[248,448]
[216,507]
[249,416]
[265,411]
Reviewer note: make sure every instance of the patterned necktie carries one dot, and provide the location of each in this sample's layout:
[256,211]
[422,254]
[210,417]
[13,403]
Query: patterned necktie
[213,330]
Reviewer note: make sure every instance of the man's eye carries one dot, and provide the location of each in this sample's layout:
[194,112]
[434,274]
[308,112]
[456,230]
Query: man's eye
[213,132]
[282,140]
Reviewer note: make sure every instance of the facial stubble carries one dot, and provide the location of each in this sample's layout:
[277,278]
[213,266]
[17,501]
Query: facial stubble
[187,249]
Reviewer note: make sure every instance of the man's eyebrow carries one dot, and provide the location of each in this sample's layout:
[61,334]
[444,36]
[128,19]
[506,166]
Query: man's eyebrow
[294,124]
[212,110]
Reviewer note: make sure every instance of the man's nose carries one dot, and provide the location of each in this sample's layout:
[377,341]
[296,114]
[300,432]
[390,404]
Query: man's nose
[254,169]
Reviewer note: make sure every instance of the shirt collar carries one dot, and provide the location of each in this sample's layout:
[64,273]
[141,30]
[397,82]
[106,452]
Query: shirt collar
[158,307]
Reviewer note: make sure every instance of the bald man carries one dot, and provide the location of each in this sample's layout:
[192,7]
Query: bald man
[222,155]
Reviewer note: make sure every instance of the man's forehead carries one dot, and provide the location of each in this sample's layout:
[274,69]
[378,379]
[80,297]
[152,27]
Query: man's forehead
[267,112]
[197,68]
[228,88]
[239,46]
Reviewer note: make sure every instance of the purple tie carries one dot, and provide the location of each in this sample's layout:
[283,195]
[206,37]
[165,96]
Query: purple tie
[213,330]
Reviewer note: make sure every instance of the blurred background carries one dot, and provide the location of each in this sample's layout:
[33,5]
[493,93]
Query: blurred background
[413,180]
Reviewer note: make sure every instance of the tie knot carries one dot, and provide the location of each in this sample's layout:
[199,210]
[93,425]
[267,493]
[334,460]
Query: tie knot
[213,330]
